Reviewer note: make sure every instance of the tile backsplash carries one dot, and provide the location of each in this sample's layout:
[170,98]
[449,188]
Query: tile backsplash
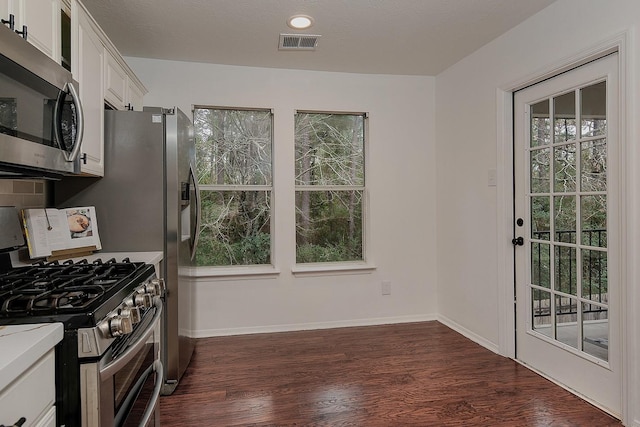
[22,193]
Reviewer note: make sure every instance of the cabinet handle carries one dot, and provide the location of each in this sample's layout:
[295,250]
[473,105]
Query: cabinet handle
[11,21]
[17,424]
[23,32]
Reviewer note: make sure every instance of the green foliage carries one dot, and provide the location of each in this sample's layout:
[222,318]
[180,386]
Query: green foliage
[252,250]
[330,228]
[345,251]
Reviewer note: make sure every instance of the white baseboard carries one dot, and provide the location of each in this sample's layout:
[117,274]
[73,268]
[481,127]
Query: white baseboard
[467,333]
[205,333]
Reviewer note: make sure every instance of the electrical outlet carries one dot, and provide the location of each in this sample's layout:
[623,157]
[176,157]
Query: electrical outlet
[386,287]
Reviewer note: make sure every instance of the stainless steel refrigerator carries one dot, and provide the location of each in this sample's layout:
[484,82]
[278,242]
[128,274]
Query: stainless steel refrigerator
[148,201]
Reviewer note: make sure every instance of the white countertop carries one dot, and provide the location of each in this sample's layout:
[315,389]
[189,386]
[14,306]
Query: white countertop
[23,345]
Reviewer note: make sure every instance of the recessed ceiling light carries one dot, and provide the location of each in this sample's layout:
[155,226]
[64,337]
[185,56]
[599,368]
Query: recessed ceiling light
[300,22]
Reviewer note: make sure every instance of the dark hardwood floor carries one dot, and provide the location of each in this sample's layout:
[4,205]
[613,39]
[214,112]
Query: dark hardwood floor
[414,374]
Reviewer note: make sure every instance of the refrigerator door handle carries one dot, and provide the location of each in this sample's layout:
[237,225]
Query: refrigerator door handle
[196,193]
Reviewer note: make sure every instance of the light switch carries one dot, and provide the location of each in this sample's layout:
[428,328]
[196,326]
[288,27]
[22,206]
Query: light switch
[492,178]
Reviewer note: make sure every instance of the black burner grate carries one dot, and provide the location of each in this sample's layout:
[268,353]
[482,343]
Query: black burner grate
[68,287]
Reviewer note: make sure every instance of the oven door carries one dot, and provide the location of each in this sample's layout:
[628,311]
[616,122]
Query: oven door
[127,387]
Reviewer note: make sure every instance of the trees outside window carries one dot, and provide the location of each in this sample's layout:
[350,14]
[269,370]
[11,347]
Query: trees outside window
[330,186]
[234,166]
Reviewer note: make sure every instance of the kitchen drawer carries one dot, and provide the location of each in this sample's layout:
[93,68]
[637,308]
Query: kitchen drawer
[31,395]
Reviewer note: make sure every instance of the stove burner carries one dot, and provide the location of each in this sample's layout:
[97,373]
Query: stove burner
[68,287]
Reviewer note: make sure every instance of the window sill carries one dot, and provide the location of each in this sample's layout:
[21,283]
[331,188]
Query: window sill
[322,269]
[236,272]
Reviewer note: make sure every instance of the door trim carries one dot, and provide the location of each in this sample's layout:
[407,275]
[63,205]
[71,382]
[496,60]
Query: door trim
[506,219]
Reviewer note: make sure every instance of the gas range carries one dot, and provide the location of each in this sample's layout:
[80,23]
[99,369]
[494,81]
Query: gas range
[78,294]
[111,311]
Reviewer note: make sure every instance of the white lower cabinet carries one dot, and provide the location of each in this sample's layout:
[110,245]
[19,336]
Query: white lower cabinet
[32,395]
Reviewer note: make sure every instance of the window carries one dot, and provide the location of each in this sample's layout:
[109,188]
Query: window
[330,186]
[234,166]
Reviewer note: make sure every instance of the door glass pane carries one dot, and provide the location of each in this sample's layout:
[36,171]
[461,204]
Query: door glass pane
[595,276]
[566,317]
[595,331]
[564,213]
[540,170]
[567,197]
[565,270]
[541,264]
[593,219]
[593,110]
[564,168]
[541,312]
[540,218]
[593,165]
[564,117]
[540,124]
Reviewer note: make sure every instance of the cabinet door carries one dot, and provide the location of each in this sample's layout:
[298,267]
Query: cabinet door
[90,75]
[115,83]
[42,19]
[31,395]
[135,97]
[4,10]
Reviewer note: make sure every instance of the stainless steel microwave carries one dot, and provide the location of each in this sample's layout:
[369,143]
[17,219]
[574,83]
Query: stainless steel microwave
[41,120]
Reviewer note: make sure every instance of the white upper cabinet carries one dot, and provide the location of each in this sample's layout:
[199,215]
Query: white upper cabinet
[122,89]
[135,95]
[41,19]
[104,78]
[115,82]
[87,67]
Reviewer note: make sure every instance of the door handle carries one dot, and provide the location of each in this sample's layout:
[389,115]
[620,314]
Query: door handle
[518,241]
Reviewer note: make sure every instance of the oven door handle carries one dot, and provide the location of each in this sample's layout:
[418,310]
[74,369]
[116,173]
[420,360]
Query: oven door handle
[153,403]
[150,411]
[110,369]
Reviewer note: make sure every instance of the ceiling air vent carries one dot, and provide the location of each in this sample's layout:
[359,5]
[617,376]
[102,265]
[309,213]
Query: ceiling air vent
[298,42]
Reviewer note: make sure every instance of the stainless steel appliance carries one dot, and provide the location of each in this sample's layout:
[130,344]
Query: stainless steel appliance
[148,201]
[108,368]
[41,121]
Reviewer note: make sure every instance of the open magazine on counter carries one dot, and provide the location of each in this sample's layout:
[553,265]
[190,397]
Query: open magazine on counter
[51,232]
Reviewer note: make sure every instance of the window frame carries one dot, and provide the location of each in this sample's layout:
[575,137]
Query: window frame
[247,270]
[339,267]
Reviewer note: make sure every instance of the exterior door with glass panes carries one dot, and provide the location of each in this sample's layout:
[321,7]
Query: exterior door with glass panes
[567,231]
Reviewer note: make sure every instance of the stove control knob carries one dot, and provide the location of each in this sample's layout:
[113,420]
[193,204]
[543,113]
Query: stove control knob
[143,300]
[159,286]
[116,326]
[139,300]
[133,313]
[155,287]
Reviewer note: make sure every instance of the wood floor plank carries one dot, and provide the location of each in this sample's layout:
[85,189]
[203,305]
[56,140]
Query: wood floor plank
[412,374]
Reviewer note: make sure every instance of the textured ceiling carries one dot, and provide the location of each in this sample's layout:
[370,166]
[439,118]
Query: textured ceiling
[408,37]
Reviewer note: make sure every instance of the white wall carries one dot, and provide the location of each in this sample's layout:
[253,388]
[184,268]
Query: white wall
[466,135]
[402,193]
